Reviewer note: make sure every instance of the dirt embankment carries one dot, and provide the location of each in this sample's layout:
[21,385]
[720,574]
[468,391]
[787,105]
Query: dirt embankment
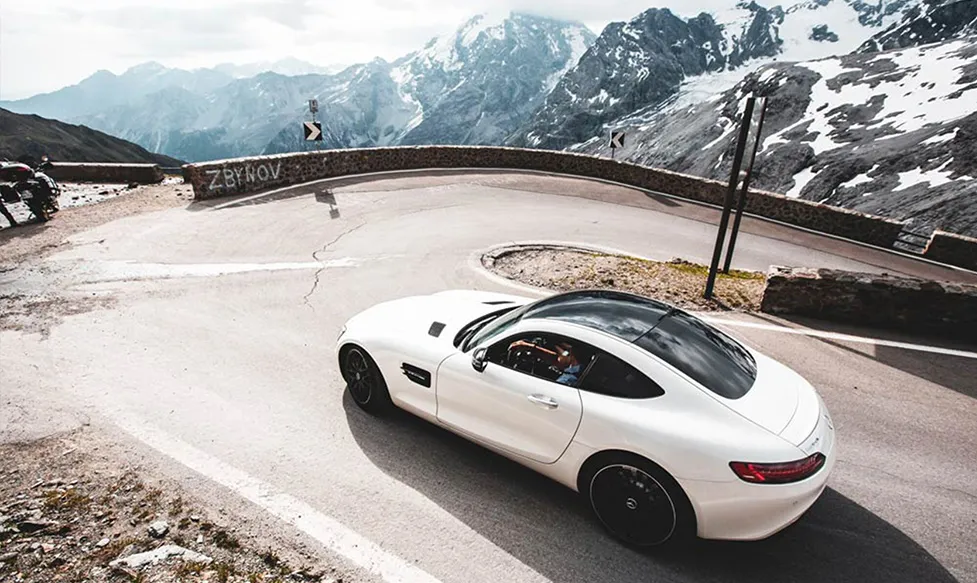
[70,513]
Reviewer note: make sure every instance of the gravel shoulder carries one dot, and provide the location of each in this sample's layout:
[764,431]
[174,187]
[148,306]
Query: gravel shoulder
[34,240]
[69,512]
[677,281]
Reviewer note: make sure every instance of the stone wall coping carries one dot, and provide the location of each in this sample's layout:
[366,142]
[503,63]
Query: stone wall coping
[352,151]
[957,236]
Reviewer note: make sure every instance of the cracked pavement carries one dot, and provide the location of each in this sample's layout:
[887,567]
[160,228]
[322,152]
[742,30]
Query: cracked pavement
[206,341]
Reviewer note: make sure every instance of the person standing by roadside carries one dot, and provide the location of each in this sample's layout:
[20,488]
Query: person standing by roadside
[6,193]
[3,208]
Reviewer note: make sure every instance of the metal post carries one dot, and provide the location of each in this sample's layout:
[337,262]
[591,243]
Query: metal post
[727,205]
[746,187]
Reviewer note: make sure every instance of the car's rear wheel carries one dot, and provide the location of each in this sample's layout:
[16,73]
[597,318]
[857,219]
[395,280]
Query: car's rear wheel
[636,500]
[364,381]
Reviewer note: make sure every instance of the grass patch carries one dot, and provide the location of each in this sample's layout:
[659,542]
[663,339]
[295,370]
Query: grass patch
[703,271]
[68,500]
[224,572]
[226,540]
[152,497]
[176,506]
[270,558]
[188,568]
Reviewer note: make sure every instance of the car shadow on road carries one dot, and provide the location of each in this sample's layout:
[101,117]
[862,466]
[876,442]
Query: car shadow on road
[547,527]
[956,373]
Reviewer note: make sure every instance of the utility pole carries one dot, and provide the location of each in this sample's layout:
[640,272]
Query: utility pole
[734,176]
[762,106]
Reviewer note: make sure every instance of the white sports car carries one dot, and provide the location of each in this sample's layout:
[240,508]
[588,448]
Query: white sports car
[667,426]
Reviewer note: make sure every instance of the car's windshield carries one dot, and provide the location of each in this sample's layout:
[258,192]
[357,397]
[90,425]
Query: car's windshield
[492,328]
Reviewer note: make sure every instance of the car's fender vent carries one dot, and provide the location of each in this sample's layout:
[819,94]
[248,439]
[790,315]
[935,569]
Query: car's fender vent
[436,329]
[416,375]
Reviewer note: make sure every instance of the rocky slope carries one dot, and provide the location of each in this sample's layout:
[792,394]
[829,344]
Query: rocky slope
[643,63]
[892,133]
[34,136]
[928,22]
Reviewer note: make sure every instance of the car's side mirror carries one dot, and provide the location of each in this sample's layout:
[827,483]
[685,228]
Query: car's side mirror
[478,359]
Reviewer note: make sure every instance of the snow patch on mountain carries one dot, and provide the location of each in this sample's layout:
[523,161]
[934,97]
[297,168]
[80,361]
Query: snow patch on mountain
[907,101]
[579,43]
[931,178]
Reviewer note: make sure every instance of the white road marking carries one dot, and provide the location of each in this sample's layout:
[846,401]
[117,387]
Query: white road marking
[333,535]
[840,337]
[128,271]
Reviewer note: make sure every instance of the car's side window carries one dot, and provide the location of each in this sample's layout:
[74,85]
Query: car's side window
[611,376]
[547,356]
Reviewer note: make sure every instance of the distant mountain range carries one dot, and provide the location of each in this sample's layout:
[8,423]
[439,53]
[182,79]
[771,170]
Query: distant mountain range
[34,136]
[475,86]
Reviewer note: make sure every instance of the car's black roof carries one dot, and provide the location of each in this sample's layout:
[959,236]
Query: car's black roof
[701,351]
[627,316]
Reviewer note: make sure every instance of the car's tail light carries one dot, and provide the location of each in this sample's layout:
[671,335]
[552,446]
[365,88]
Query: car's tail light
[781,473]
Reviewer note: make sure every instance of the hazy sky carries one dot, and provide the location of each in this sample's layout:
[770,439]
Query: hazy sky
[48,44]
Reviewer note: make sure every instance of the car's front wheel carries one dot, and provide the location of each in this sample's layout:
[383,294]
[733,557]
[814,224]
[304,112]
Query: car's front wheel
[364,381]
[636,500]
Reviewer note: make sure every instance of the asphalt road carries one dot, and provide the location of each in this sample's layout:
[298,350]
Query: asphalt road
[227,379]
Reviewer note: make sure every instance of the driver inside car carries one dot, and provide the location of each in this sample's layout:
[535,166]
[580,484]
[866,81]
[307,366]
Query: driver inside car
[566,361]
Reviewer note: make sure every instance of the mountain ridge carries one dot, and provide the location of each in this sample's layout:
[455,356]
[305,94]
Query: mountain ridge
[33,136]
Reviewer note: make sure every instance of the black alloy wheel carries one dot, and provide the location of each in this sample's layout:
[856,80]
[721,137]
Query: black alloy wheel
[364,381]
[633,505]
[359,376]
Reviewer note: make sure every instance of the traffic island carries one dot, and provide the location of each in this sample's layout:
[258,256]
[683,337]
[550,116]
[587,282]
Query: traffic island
[679,282]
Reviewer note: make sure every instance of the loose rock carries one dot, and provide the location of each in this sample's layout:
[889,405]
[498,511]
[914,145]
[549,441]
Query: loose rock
[162,553]
[158,529]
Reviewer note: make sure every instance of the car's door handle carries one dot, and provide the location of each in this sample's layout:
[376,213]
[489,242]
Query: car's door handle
[543,400]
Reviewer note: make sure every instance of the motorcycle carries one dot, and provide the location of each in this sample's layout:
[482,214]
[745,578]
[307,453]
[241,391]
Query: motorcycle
[32,186]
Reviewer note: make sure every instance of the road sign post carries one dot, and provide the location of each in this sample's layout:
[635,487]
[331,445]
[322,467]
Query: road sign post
[734,176]
[745,189]
[313,129]
[616,141]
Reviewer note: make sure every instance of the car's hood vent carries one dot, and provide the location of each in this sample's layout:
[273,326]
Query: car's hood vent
[497,302]
[436,329]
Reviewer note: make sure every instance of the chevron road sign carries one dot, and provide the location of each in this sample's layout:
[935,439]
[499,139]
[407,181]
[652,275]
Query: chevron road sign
[313,131]
[617,139]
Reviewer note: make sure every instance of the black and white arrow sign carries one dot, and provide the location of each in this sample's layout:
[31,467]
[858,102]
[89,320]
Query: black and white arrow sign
[617,139]
[313,131]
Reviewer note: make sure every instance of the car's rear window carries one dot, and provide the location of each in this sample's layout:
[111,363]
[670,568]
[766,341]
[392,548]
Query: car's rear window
[707,355]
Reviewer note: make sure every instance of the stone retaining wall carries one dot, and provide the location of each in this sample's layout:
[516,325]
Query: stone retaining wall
[953,249]
[901,303]
[106,172]
[248,175]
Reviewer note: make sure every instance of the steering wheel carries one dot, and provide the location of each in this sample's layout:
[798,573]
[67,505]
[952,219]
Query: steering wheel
[520,356]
